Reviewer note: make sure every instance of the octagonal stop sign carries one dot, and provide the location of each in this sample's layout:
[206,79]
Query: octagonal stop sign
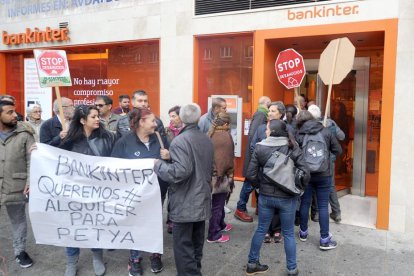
[290,68]
[52,63]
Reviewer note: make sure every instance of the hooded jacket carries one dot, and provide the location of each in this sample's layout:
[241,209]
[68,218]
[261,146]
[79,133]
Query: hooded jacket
[15,163]
[313,127]
[262,153]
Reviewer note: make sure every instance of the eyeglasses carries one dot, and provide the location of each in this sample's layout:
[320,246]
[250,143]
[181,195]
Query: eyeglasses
[66,106]
[36,111]
[100,105]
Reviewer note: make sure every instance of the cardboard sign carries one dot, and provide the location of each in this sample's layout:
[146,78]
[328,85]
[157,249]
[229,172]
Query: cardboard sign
[52,68]
[87,201]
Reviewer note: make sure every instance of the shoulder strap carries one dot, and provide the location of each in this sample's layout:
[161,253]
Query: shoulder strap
[159,139]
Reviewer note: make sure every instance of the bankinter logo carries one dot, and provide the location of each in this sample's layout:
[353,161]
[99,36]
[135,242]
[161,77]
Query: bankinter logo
[321,12]
[49,35]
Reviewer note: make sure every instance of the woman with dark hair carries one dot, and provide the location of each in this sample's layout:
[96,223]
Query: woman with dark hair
[175,123]
[309,129]
[272,198]
[143,142]
[87,135]
[222,181]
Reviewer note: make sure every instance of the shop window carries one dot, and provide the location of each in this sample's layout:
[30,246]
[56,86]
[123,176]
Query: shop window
[231,74]
[109,70]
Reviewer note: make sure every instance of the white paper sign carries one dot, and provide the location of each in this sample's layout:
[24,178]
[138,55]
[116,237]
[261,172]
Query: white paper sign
[52,67]
[33,93]
[86,201]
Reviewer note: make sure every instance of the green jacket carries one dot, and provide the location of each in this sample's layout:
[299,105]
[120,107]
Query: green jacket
[15,164]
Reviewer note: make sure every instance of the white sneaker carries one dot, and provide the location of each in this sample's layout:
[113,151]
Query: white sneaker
[227,210]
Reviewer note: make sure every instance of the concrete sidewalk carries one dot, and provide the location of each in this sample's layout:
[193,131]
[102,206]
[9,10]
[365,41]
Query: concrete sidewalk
[360,251]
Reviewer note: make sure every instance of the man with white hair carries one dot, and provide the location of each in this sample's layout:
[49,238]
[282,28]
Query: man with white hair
[333,197]
[189,175]
[34,119]
[51,132]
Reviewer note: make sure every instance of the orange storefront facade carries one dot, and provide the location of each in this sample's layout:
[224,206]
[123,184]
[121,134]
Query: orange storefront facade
[199,53]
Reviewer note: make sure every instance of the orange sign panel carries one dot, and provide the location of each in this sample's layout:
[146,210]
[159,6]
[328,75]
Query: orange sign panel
[36,36]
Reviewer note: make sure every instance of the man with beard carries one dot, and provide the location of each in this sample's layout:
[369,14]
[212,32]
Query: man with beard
[15,141]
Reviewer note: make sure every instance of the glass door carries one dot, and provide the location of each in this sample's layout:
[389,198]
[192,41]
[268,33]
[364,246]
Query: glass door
[349,108]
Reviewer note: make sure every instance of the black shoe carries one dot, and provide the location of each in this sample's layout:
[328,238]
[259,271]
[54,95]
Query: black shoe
[24,260]
[134,267]
[335,217]
[256,268]
[156,263]
[267,239]
[315,217]
[297,221]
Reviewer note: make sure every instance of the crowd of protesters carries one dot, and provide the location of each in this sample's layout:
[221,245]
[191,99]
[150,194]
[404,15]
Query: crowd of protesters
[194,162]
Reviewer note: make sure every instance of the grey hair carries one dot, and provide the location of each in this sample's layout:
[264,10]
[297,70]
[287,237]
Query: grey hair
[280,107]
[190,113]
[56,105]
[33,106]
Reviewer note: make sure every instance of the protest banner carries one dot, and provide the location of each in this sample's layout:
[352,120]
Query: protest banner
[87,201]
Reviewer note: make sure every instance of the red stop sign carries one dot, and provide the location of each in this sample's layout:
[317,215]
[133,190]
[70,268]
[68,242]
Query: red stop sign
[52,63]
[290,68]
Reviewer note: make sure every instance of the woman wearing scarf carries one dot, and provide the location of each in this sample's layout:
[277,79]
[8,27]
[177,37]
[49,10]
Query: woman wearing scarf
[175,123]
[222,182]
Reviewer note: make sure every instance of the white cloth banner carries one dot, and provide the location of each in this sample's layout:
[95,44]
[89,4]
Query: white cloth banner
[84,201]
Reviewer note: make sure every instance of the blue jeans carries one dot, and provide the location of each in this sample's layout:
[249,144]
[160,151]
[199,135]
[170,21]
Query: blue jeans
[287,209]
[245,192]
[73,251]
[322,187]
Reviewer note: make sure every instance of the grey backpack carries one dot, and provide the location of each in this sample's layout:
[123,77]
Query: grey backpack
[315,152]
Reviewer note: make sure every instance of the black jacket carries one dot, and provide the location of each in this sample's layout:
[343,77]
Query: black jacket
[312,127]
[94,145]
[123,127]
[49,132]
[261,154]
[131,147]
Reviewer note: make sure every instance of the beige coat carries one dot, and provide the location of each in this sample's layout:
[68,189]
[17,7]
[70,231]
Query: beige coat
[15,164]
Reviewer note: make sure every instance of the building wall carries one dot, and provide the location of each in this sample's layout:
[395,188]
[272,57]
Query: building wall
[402,188]
[174,23]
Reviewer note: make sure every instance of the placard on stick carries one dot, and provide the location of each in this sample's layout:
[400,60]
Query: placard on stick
[290,70]
[53,71]
[335,63]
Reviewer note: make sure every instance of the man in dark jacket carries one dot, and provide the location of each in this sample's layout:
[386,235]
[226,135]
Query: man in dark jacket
[189,174]
[139,99]
[51,132]
[259,118]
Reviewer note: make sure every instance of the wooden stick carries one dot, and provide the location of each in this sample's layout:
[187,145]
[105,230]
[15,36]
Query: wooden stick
[59,101]
[297,98]
[328,101]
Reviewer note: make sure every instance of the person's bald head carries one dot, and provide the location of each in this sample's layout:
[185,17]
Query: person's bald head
[264,101]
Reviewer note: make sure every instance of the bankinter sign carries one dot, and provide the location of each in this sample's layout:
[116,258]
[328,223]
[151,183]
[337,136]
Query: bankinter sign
[36,36]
